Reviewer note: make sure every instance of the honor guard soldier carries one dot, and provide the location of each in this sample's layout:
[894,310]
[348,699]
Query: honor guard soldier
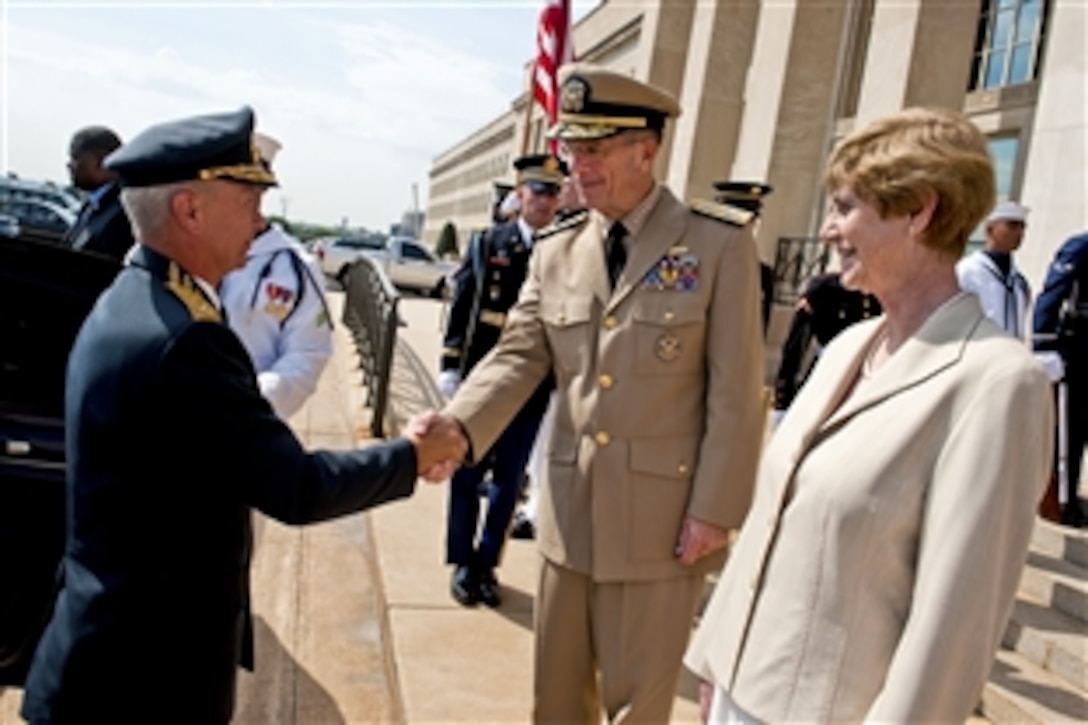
[1061,344]
[749,195]
[486,287]
[825,309]
[991,274]
[276,305]
[647,311]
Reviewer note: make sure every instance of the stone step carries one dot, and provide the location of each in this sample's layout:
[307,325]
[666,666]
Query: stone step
[1056,583]
[1050,639]
[1020,691]
[1061,542]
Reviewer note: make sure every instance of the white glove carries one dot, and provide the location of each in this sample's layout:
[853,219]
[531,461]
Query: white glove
[448,380]
[1052,364]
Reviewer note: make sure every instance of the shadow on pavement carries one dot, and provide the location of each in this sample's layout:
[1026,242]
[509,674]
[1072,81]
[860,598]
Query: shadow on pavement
[280,690]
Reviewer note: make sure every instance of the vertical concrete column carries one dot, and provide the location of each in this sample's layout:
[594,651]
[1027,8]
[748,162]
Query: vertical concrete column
[663,50]
[1057,163]
[919,55]
[787,119]
[704,138]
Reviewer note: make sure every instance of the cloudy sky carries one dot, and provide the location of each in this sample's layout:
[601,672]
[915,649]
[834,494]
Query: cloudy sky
[362,94]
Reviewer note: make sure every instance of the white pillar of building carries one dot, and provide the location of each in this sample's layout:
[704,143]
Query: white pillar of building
[787,118]
[704,140]
[663,50]
[919,54]
[1057,162]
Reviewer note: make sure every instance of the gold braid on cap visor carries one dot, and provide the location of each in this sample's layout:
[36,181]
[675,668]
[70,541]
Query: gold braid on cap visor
[614,121]
[253,173]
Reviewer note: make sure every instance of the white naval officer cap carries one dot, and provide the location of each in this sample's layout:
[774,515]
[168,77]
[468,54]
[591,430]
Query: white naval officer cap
[1008,211]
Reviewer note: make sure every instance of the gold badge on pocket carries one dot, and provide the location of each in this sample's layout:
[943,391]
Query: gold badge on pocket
[668,347]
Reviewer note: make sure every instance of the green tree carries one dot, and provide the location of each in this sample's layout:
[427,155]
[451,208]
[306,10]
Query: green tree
[447,242]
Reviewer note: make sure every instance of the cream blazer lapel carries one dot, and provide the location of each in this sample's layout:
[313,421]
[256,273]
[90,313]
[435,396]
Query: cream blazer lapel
[664,226]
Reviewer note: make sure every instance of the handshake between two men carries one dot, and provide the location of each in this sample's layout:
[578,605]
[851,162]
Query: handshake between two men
[440,444]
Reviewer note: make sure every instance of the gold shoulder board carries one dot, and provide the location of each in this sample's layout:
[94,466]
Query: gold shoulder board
[183,287]
[722,212]
[568,223]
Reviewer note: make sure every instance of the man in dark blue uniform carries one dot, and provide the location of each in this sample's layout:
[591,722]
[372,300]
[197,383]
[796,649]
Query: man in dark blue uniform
[749,195]
[101,226]
[487,285]
[170,445]
[1061,344]
[825,309]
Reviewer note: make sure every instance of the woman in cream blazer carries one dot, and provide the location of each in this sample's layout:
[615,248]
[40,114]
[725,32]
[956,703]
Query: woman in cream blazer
[875,572]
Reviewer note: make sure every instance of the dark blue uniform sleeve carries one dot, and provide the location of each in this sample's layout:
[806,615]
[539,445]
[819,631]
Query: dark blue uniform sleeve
[211,391]
[455,342]
[793,353]
[1068,264]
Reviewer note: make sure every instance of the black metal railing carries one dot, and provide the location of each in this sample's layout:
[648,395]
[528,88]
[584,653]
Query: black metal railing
[796,261]
[370,313]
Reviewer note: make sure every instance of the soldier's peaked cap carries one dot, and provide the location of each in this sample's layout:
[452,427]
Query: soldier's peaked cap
[540,171]
[743,194]
[595,102]
[214,146]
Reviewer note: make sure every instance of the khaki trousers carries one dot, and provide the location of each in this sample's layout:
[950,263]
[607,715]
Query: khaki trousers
[616,646]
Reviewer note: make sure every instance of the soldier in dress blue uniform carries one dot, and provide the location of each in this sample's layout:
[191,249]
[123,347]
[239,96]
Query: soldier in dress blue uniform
[825,309]
[170,445]
[1061,344]
[749,195]
[486,287]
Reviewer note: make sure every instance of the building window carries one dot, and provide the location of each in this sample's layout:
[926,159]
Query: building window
[1004,151]
[1009,43]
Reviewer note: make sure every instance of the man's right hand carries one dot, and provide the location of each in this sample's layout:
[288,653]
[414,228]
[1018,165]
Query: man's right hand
[440,444]
[448,382]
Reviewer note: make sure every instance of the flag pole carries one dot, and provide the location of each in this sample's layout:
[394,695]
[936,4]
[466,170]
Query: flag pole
[530,99]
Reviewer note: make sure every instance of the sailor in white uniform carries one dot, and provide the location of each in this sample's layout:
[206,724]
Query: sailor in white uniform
[276,304]
[991,274]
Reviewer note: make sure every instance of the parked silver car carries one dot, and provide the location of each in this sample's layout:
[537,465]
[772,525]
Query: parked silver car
[409,264]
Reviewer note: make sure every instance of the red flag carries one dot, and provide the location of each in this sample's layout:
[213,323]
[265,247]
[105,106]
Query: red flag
[554,47]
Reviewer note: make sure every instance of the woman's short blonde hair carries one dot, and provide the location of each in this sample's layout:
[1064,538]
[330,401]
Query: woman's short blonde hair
[897,163]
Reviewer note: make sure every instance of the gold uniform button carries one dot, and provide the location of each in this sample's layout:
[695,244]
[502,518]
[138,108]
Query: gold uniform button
[670,316]
[561,318]
[603,438]
[606,381]
[682,469]
[610,322]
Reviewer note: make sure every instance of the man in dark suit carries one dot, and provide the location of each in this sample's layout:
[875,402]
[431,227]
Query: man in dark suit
[1061,344]
[101,226]
[486,287]
[170,446]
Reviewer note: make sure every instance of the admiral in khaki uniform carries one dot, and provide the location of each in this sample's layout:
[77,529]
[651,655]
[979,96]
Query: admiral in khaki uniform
[486,287]
[170,445]
[648,312]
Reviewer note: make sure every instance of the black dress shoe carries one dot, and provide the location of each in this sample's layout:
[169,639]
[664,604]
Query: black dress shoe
[1073,515]
[464,587]
[488,589]
[523,528]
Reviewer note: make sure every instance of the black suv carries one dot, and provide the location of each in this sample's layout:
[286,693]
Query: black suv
[46,291]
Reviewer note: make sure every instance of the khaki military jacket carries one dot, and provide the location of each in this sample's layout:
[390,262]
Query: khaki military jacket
[659,414]
[874,576]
